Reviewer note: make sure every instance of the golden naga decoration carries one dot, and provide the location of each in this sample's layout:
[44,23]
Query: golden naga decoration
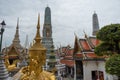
[9,66]
[37,57]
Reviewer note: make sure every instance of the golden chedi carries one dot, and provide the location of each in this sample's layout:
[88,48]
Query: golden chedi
[37,59]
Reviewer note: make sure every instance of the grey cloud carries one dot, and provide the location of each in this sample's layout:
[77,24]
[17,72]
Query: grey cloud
[68,16]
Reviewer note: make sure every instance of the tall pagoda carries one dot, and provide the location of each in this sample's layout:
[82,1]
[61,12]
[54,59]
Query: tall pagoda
[95,24]
[47,41]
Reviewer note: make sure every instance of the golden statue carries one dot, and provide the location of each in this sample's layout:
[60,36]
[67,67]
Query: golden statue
[37,58]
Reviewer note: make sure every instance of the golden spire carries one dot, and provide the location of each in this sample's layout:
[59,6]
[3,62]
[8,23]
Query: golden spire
[37,51]
[38,25]
[38,38]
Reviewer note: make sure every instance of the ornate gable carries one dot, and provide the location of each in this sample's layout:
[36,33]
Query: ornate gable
[13,52]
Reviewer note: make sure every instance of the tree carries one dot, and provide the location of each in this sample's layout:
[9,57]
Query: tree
[110,40]
[109,36]
[112,65]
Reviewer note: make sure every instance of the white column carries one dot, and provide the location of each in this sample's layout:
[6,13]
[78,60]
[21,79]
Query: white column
[74,70]
[98,75]
[59,72]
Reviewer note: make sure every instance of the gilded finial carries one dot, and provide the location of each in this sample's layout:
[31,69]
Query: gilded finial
[38,24]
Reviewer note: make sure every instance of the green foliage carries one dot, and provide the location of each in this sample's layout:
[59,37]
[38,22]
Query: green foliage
[110,40]
[104,48]
[110,45]
[113,65]
[109,33]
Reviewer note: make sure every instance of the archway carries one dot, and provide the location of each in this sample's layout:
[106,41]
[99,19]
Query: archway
[79,70]
[97,75]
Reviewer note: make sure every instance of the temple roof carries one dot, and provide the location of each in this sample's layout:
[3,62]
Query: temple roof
[69,63]
[15,46]
[88,44]
[94,41]
[84,45]
[87,55]
[65,51]
[83,50]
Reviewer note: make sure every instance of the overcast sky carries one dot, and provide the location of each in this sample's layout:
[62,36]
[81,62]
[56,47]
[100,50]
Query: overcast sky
[68,17]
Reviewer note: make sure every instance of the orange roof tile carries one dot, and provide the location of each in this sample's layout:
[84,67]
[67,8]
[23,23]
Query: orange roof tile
[94,41]
[91,55]
[84,44]
[79,55]
[69,63]
[88,55]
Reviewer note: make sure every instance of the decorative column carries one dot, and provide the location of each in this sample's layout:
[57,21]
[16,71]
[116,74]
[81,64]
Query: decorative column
[3,71]
[59,68]
[74,70]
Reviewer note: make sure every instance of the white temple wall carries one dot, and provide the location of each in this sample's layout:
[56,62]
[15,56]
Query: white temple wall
[90,66]
[101,67]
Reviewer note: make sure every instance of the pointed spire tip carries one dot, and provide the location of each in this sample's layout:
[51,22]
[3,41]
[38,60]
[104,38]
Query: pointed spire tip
[17,22]
[85,34]
[38,25]
[75,34]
